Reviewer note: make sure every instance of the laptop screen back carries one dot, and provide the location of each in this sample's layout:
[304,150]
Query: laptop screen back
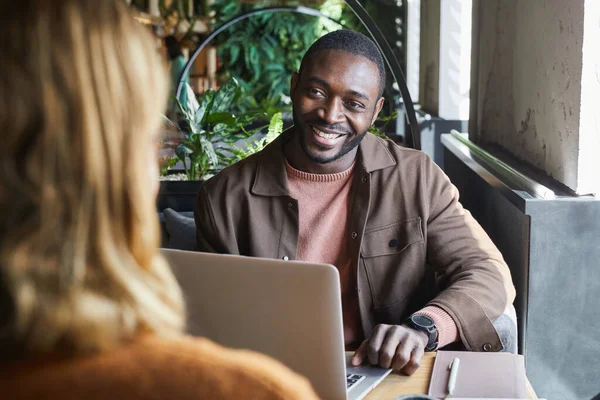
[289,310]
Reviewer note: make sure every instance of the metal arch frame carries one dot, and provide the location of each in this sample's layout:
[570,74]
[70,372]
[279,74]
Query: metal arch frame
[376,34]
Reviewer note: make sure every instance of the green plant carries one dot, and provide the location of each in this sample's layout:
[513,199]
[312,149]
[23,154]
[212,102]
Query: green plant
[215,137]
[262,52]
[378,128]
[275,128]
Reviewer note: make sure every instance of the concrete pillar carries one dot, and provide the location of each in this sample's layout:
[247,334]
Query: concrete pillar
[588,172]
[153,8]
[413,44]
[445,58]
[455,59]
[536,85]
[429,75]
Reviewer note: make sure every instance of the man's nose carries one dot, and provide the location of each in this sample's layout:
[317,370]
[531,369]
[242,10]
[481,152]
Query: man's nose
[332,112]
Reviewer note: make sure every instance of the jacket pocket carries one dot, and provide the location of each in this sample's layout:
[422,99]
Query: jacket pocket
[394,260]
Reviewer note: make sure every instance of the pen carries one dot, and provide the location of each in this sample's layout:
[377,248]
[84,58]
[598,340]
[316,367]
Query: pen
[453,367]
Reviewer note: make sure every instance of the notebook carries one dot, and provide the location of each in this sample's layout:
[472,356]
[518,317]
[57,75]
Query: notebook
[480,375]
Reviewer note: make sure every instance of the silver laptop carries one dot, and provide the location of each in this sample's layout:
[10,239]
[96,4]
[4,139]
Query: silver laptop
[290,310]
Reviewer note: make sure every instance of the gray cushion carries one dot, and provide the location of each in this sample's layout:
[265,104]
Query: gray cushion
[506,326]
[181,229]
[164,236]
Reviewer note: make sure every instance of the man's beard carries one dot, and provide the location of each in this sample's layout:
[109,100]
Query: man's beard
[346,148]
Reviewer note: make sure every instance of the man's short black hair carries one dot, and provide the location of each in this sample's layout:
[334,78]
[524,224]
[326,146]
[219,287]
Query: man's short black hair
[352,42]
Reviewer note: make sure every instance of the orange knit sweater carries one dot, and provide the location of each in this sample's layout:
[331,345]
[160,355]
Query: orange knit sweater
[324,204]
[154,368]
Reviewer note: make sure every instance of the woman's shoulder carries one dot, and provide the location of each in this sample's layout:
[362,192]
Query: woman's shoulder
[225,369]
[153,367]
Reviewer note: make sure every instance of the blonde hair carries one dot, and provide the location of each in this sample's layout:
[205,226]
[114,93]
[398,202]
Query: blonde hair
[82,89]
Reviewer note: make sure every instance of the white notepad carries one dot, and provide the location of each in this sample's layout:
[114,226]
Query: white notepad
[480,376]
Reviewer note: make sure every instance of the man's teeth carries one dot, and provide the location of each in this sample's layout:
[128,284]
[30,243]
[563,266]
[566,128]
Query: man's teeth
[326,135]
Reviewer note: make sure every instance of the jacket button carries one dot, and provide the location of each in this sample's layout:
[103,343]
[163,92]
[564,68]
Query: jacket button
[354,235]
[290,205]
[364,179]
[393,243]
[487,347]
[285,258]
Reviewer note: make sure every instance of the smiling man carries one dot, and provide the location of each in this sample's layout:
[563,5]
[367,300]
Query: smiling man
[328,191]
[336,98]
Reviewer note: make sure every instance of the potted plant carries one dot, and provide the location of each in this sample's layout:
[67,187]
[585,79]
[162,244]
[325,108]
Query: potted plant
[212,139]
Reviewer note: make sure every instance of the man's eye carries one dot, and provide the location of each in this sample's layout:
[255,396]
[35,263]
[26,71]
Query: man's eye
[355,105]
[315,92]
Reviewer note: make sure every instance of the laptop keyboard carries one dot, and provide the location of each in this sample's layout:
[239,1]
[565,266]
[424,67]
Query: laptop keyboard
[352,380]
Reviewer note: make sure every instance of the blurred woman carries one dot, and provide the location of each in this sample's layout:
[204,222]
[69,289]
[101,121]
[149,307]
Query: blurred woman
[88,308]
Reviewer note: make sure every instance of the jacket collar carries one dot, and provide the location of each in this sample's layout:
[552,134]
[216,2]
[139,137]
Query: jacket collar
[270,178]
[373,154]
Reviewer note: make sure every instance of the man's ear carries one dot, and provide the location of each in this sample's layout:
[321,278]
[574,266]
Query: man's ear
[294,82]
[378,108]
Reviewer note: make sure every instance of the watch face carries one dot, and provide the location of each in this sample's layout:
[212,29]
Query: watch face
[422,320]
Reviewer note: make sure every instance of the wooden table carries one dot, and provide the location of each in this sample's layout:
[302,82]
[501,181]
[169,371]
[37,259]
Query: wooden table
[397,384]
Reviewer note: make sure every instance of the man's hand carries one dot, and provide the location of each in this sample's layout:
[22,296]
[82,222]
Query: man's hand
[393,346]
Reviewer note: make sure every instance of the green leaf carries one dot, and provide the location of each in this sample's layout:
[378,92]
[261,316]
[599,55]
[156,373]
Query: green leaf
[226,141]
[254,63]
[219,131]
[209,151]
[274,68]
[234,53]
[247,62]
[205,107]
[248,118]
[182,150]
[253,54]
[186,113]
[194,142]
[250,133]
[168,165]
[222,118]
[270,52]
[271,41]
[224,96]
[391,117]
[275,127]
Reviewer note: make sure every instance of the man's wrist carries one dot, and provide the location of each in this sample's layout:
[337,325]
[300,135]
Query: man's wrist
[426,326]
[422,335]
[444,323]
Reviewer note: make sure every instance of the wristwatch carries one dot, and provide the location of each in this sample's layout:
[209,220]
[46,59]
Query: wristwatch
[425,324]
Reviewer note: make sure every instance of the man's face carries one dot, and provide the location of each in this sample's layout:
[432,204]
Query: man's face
[335,101]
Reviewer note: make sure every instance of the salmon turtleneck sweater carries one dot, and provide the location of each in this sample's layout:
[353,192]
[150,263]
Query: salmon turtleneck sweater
[323,206]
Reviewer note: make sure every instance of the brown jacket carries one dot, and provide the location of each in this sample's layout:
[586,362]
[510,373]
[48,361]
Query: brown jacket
[405,214]
[154,368]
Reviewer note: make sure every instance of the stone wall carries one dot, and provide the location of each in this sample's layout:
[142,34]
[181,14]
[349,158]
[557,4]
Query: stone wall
[528,64]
